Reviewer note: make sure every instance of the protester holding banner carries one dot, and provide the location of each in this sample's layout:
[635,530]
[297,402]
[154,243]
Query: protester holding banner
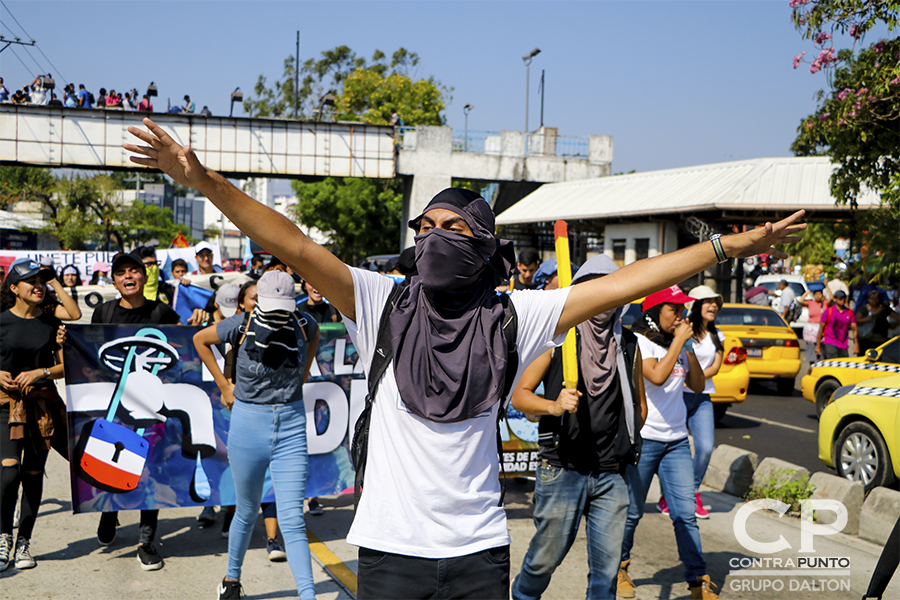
[431,442]
[31,412]
[669,367]
[204,255]
[129,278]
[588,436]
[275,346]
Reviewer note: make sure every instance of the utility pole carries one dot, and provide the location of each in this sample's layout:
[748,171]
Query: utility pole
[297,80]
[542,98]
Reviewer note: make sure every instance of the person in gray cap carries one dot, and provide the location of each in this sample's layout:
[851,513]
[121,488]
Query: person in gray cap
[431,516]
[274,347]
[588,436]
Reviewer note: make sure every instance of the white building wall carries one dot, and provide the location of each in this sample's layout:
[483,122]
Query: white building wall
[662,237]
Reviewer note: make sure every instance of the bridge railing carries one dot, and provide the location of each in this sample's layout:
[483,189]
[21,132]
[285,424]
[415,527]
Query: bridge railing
[489,142]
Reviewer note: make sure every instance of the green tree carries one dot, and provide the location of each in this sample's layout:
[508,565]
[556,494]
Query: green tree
[360,216]
[25,184]
[857,122]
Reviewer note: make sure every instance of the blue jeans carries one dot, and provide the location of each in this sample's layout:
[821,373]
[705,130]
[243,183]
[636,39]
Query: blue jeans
[274,437]
[560,498]
[672,462]
[702,425]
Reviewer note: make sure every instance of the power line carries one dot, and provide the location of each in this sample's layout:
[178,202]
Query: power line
[27,70]
[55,70]
[15,19]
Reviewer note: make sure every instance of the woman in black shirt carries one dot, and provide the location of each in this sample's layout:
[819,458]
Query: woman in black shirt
[31,411]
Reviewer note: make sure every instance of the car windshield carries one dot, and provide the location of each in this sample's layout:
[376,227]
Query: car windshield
[891,353]
[760,317]
[797,288]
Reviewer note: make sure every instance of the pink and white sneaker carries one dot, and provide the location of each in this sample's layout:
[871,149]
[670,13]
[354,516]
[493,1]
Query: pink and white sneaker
[662,507]
[699,511]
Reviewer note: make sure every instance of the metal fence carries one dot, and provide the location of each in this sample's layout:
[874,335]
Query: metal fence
[489,142]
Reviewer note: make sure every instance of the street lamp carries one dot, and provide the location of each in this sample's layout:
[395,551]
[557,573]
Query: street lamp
[466,109]
[151,90]
[236,96]
[327,101]
[527,60]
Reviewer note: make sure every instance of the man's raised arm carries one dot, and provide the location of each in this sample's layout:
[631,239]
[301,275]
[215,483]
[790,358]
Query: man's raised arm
[271,230]
[653,274]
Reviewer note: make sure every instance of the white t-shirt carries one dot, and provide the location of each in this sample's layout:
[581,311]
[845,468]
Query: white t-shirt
[432,489]
[666,411]
[705,351]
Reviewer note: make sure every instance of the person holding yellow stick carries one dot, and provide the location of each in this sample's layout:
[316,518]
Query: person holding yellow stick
[588,436]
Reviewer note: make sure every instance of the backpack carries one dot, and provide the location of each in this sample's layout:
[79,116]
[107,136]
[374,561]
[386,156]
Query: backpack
[381,358]
[230,366]
[91,97]
[794,313]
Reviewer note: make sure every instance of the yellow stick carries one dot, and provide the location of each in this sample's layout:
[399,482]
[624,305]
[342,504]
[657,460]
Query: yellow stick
[564,273]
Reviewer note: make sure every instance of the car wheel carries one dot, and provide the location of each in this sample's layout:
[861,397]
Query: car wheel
[823,394]
[861,455]
[719,410]
[785,386]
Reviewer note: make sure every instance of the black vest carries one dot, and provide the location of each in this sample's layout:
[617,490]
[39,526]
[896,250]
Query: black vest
[595,439]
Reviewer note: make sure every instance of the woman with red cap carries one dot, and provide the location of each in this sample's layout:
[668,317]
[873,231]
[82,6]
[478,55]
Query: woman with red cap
[669,364]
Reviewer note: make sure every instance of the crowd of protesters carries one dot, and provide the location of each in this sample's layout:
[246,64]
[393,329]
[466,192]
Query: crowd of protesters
[443,351]
[42,92]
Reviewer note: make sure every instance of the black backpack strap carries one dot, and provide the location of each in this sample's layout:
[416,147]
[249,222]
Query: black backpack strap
[510,332]
[381,359]
[231,365]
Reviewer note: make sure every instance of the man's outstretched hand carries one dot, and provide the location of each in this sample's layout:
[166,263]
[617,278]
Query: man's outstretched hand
[763,239]
[163,153]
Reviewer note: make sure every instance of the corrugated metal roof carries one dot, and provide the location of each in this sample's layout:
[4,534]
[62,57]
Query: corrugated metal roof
[757,184]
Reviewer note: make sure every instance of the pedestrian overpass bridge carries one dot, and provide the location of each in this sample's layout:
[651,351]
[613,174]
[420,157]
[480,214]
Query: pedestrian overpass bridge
[236,147]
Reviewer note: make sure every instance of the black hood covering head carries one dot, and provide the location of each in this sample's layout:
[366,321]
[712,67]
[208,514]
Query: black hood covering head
[447,326]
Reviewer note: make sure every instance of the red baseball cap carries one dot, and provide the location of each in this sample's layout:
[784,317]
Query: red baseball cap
[672,294]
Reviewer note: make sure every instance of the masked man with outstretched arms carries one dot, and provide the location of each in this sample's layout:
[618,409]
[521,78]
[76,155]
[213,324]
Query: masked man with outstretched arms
[430,523]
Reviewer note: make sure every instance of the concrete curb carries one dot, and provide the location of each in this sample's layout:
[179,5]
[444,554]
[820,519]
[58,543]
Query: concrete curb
[777,471]
[850,493]
[731,470]
[879,513]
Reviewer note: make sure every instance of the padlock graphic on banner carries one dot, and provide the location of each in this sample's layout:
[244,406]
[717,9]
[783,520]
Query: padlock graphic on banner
[112,457]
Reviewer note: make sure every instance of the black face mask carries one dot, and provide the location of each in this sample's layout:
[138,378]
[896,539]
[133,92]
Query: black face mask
[449,261]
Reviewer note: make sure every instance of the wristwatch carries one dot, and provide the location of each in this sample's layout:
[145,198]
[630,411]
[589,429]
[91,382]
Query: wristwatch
[46,372]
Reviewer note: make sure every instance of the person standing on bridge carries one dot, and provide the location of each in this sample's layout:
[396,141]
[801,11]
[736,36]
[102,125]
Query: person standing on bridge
[430,515]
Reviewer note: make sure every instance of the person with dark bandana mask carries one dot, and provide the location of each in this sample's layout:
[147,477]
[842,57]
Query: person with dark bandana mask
[588,436]
[429,524]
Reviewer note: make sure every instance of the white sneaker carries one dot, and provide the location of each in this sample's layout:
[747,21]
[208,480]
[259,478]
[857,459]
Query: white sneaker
[6,546]
[23,554]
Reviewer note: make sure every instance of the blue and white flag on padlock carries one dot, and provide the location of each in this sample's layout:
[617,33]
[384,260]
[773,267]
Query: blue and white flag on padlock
[113,456]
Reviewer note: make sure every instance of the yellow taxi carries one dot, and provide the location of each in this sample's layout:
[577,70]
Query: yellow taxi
[733,377]
[825,376]
[859,431]
[773,351]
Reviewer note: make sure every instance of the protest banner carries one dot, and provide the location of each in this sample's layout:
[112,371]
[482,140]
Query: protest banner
[147,428]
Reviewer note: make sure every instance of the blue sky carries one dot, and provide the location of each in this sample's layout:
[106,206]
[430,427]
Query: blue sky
[676,83]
